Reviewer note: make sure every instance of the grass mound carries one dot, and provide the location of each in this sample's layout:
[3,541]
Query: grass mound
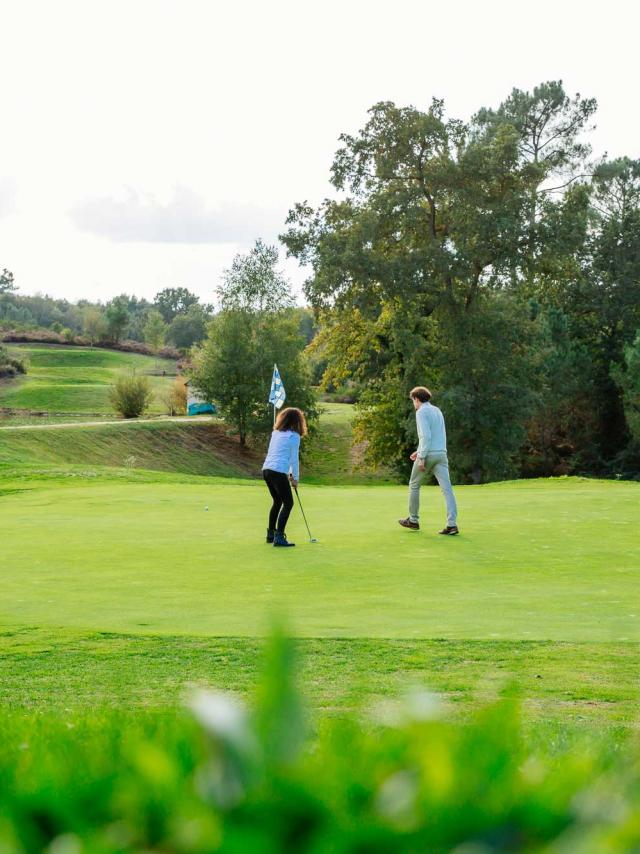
[76,379]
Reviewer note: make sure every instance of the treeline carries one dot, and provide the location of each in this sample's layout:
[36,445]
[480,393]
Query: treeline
[496,262]
[176,317]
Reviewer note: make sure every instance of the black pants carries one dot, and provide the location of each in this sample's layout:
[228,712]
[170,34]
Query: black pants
[280,490]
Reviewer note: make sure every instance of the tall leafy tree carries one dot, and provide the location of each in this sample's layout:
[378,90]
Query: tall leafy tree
[550,128]
[189,328]
[173,301]
[628,377]
[155,330]
[426,228]
[117,317]
[254,282]
[255,328]
[94,324]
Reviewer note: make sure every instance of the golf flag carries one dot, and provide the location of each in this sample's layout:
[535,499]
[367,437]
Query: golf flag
[277,395]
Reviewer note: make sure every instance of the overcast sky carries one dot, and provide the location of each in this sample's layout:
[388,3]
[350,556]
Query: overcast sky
[144,142]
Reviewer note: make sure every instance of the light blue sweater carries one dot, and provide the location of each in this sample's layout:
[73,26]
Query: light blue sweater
[431,430]
[283,450]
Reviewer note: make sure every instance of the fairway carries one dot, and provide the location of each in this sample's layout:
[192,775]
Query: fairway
[535,561]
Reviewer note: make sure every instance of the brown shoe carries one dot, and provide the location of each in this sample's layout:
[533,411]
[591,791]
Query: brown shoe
[450,531]
[407,523]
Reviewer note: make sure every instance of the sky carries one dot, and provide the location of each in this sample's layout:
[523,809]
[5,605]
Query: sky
[144,143]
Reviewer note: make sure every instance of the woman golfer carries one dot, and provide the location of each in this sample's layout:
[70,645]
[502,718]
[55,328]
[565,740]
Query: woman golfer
[281,470]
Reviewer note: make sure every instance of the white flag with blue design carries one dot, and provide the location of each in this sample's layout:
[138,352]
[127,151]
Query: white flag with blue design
[278,394]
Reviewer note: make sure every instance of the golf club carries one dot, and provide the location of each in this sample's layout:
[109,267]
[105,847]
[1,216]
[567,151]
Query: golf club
[311,539]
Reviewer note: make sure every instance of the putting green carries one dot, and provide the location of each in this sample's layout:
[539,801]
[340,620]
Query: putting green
[536,560]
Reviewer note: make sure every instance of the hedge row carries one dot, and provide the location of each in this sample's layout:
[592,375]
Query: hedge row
[47,336]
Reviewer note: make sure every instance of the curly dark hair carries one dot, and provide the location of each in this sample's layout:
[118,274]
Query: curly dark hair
[292,418]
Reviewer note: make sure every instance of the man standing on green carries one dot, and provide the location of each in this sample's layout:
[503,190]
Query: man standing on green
[429,459]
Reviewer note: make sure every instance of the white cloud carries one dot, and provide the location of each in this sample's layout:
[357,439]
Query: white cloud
[183,218]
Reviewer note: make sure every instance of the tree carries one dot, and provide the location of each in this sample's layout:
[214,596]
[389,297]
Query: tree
[233,367]
[254,330]
[562,431]
[94,324]
[117,317]
[628,378]
[173,301]
[7,283]
[549,125]
[188,328]
[254,283]
[425,234]
[601,296]
[155,330]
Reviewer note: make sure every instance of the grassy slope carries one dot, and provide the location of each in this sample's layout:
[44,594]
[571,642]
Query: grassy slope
[329,456]
[193,448]
[76,379]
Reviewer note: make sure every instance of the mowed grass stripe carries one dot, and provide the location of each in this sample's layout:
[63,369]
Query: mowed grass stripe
[558,682]
[536,560]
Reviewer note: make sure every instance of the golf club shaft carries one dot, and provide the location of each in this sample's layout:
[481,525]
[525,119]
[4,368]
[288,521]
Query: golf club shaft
[303,515]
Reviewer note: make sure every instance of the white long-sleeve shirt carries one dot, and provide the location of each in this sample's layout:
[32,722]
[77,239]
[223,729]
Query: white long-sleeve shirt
[282,455]
[432,435]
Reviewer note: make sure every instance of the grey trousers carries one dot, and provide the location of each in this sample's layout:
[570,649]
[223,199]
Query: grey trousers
[435,464]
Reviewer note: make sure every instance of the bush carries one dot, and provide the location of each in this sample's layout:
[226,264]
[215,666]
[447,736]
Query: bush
[406,781]
[10,365]
[175,398]
[131,395]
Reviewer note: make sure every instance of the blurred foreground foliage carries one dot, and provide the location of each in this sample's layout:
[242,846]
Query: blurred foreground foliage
[224,777]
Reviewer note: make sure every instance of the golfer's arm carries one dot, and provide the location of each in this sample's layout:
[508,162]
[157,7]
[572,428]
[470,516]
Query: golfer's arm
[294,464]
[424,436]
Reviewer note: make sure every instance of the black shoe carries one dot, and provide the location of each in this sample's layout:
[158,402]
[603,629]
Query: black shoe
[450,531]
[407,523]
[280,540]
[270,533]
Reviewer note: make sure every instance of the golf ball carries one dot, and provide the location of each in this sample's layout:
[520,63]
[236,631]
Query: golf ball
[206,508]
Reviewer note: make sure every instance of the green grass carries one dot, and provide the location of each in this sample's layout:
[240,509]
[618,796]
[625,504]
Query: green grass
[63,379]
[577,684]
[191,447]
[148,557]
[118,587]
[330,455]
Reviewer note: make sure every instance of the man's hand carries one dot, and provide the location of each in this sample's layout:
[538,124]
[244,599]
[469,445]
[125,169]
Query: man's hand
[413,456]
[294,482]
